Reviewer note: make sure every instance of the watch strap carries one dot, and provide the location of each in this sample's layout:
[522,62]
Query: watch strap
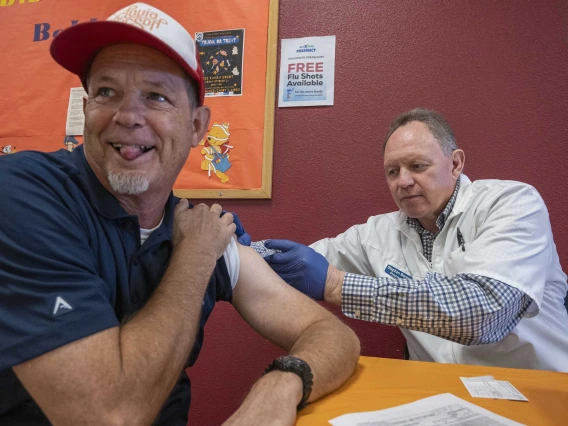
[298,366]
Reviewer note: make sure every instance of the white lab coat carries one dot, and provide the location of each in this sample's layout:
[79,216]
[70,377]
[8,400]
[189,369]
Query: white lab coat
[507,235]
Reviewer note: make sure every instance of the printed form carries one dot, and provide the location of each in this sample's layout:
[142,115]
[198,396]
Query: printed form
[444,409]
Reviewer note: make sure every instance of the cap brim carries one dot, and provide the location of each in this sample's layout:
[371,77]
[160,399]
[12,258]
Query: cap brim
[75,47]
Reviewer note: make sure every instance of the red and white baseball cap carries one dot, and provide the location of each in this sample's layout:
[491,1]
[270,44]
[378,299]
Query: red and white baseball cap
[75,48]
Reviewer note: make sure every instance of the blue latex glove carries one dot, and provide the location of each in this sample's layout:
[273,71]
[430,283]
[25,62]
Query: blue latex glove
[300,266]
[242,236]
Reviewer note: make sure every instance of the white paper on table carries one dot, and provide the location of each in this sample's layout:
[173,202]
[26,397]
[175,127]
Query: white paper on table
[444,409]
[479,379]
[75,117]
[496,389]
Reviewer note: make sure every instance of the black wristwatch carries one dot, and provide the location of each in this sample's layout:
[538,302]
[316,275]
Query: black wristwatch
[301,368]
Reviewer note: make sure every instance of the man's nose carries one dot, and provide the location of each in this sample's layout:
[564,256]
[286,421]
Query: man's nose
[405,179]
[130,112]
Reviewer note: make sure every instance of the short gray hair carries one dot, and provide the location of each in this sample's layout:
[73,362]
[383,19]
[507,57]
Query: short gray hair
[192,91]
[435,122]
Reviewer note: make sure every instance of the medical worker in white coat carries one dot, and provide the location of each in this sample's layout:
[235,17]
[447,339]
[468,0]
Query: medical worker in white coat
[468,270]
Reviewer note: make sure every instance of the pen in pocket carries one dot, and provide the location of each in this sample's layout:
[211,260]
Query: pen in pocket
[461,242]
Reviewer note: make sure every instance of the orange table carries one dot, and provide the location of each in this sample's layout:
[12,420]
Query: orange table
[383,383]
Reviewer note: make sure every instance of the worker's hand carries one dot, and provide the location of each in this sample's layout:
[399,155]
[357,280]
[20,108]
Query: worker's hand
[242,236]
[300,266]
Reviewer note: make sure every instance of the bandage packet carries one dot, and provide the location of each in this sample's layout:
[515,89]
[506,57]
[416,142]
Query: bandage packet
[261,249]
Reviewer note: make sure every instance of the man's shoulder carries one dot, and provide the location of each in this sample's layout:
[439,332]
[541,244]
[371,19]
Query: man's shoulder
[483,196]
[24,158]
[34,183]
[382,224]
[377,229]
[31,167]
[498,185]
[485,189]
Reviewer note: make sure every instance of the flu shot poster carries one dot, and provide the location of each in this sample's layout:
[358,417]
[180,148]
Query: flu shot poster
[307,71]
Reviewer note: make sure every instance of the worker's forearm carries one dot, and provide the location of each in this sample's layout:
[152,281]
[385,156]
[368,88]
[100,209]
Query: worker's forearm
[468,309]
[333,285]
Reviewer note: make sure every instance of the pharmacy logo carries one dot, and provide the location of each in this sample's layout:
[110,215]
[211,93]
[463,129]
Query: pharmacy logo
[306,48]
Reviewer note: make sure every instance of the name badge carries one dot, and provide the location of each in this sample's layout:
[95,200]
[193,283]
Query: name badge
[396,273]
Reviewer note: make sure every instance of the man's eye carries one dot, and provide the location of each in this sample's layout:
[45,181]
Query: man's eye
[419,166]
[157,97]
[391,172]
[105,92]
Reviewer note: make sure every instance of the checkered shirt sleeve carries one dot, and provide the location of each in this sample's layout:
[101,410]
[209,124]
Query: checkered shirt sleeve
[468,309]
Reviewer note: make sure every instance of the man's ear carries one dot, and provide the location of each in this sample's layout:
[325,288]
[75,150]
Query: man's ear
[200,124]
[458,162]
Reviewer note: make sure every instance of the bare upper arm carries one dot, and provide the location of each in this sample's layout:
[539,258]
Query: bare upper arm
[274,309]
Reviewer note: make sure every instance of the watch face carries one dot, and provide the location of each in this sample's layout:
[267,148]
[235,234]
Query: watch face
[295,365]
[290,361]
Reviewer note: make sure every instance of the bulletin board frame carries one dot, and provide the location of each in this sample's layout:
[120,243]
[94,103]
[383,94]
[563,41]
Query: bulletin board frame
[265,190]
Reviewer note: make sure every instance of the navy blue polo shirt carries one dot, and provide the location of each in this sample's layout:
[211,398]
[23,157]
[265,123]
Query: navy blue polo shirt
[71,264]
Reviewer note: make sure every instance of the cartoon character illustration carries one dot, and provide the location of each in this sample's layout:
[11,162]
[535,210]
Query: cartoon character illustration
[235,50]
[235,71]
[70,142]
[8,149]
[216,151]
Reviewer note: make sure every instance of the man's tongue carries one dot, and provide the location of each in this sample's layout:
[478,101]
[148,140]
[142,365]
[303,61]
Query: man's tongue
[131,152]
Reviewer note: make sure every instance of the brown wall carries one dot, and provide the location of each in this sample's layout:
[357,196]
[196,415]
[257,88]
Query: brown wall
[497,70]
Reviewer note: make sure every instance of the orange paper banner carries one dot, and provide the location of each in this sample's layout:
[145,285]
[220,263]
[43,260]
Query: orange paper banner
[35,90]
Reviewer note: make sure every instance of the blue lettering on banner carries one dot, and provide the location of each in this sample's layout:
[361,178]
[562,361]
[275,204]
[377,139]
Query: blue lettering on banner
[41,31]
[396,273]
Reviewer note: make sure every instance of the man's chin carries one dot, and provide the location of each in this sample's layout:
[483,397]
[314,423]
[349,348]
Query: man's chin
[128,183]
[413,214]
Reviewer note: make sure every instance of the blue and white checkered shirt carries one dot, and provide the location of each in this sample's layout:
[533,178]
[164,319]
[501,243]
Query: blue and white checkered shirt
[467,308]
